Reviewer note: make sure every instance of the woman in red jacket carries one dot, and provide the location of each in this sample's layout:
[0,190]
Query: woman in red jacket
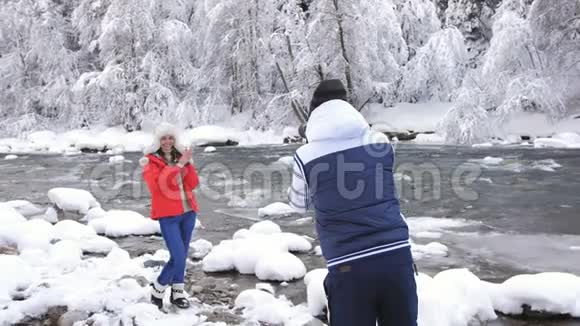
[171,178]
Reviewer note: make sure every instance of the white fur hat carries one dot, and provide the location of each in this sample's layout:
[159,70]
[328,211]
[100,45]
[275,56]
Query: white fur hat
[166,129]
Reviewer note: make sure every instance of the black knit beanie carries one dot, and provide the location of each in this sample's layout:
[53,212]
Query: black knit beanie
[331,89]
[327,90]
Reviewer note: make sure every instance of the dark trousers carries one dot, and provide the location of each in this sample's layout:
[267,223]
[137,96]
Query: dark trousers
[177,232]
[374,290]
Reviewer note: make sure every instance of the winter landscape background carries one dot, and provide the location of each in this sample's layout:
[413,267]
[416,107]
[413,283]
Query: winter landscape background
[74,63]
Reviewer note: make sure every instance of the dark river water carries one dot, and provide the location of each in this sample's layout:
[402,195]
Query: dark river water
[524,209]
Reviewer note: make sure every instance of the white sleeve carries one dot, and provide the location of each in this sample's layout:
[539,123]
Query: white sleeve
[298,195]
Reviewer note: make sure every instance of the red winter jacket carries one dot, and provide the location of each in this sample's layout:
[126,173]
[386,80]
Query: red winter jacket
[161,179]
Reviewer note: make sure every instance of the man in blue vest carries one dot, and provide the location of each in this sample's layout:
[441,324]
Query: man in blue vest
[345,172]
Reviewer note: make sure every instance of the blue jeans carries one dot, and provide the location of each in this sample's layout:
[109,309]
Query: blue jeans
[177,232]
[377,290]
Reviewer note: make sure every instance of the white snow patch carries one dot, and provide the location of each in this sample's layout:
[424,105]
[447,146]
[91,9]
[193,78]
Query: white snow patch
[51,215]
[277,209]
[548,165]
[433,224]
[116,159]
[119,223]
[489,160]
[65,254]
[94,285]
[428,234]
[315,294]
[482,145]
[70,199]
[433,139]
[418,117]
[84,235]
[266,287]
[429,250]
[209,134]
[16,273]
[34,234]
[262,306]
[465,299]
[94,213]
[262,250]
[117,141]
[11,223]
[24,207]
[560,140]
[280,267]
[318,251]
[549,292]
[265,227]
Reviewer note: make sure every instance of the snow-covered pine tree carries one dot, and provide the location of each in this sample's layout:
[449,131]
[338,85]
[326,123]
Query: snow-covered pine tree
[115,92]
[38,62]
[556,36]
[418,22]
[469,120]
[236,58]
[437,70]
[379,51]
[361,43]
[169,69]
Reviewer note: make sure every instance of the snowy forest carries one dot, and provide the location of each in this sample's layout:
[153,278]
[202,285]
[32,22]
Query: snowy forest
[75,63]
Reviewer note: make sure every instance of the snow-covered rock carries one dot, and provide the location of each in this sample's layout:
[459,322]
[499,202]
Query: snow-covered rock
[433,139]
[118,223]
[559,140]
[16,273]
[277,209]
[262,250]
[24,207]
[435,225]
[50,215]
[484,145]
[265,227]
[489,160]
[200,248]
[70,199]
[403,117]
[94,213]
[280,267]
[116,159]
[262,306]
[10,219]
[34,235]
[429,250]
[210,135]
[555,293]
[315,294]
